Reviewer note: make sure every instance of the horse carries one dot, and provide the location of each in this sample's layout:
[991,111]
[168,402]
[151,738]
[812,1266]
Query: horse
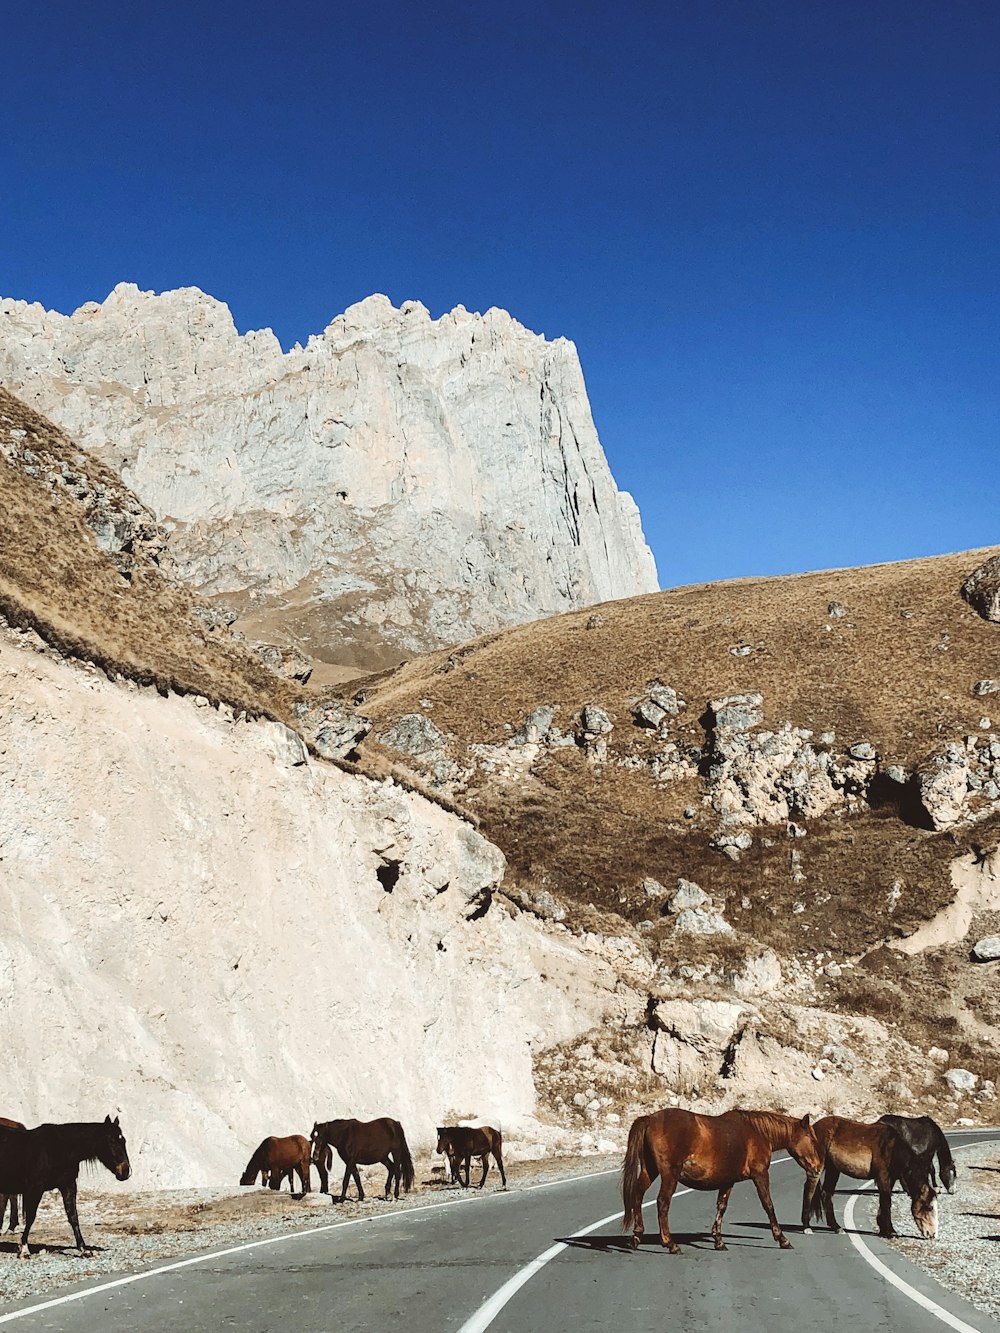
[870,1152]
[461,1143]
[48,1157]
[366,1142]
[11,1199]
[710,1152]
[276,1159]
[926,1138]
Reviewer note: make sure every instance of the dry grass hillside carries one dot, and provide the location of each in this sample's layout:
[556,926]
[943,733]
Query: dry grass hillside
[886,657]
[80,565]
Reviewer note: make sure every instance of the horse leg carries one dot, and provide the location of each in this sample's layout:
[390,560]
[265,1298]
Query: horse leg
[720,1209]
[13,1213]
[68,1192]
[830,1179]
[809,1188]
[390,1167]
[323,1167]
[347,1180]
[644,1180]
[667,1187]
[498,1158]
[763,1185]
[883,1182]
[485,1159]
[357,1181]
[30,1203]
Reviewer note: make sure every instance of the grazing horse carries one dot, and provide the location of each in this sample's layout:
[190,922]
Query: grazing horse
[926,1138]
[461,1143]
[364,1142]
[277,1159]
[870,1152]
[11,1199]
[710,1152]
[48,1158]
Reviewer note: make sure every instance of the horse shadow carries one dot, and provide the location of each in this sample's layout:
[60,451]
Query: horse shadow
[46,1248]
[619,1244]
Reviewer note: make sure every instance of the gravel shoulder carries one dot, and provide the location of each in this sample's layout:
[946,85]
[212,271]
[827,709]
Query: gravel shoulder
[130,1230]
[965,1258]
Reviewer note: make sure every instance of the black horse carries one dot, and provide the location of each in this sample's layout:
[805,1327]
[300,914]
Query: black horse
[33,1161]
[925,1138]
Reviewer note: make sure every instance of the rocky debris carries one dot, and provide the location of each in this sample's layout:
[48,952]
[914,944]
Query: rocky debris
[659,702]
[938,1054]
[535,727]
[308,467]
[694,1039]
[836,610]
[593,730]
[757,975]
[289,747]
[987,950]
[214,617]
[962,782]
[594,621]
[334,728]
[284,661]
[652,888]
[736,712]
[415,735]
[982,687]
[982,589]
[961,1080]
[732,844]
[539,902]
[693,912]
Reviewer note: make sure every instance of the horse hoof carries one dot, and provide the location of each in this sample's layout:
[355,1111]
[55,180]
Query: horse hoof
[673,1248]
[86,1254]
[720,1245]
[785,1243]
[635,1242]
[24,1252]
[807,1231]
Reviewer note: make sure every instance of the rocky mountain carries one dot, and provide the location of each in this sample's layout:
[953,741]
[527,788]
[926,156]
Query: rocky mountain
[398,484]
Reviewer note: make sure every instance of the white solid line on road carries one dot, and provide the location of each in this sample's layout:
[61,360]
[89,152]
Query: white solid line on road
[132,1278]
[885,1271]
[485,1315]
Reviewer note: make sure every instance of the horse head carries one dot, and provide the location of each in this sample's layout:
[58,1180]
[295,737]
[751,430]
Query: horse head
[444,1141]
[111,1151]
[923,1206]
[804,1147]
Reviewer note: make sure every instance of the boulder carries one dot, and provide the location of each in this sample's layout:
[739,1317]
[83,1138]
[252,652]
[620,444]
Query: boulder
[982,589]
[983,687]
[987,950]
[284,661]
[416,735]
[701,921]
[961,1080]
[737,712]
[686,896]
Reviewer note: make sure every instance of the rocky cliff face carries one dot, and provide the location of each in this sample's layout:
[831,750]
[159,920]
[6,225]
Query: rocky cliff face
[400,483]
[219,938]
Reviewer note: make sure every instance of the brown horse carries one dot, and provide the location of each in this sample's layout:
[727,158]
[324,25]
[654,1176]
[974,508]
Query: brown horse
[363,1143]
[870,1152]
[11,1198]
[277,1158]
[710,1152]
[461,1143]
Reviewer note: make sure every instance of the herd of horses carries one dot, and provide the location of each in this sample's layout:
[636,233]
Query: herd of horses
[704,1152]
[368,1143]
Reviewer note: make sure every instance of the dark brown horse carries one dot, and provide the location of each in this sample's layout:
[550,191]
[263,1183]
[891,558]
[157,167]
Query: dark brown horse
[461,1143]
[11,1199]
[277,1159]
[870,1152]
[927,1139]
[710,1152]
[362,1143]
[33,1161]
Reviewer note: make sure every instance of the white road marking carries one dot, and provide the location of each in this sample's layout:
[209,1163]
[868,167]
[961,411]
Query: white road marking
[286,1236]
[485,1315]
[884,1271]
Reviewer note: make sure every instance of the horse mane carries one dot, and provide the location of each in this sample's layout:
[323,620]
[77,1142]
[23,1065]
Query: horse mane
[772,1124]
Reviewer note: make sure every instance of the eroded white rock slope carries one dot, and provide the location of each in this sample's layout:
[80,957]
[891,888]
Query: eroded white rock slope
[398,484]
[193,933]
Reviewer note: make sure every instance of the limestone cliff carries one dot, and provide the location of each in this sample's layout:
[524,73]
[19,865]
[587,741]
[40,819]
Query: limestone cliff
[400,483]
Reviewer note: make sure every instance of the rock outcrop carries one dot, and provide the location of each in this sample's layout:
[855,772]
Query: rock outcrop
[398,484]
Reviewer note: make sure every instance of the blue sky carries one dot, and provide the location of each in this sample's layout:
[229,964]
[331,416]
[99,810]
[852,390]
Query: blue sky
[770,228]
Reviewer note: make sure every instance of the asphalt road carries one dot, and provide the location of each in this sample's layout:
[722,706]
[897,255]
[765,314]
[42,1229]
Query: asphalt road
[509,1262]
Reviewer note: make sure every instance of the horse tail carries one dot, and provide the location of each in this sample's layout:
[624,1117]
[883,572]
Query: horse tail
[405,1161]
[632,1191]
[946,1163]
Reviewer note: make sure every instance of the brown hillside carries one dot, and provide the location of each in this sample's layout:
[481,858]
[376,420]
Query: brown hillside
[79,564]
[896,669]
